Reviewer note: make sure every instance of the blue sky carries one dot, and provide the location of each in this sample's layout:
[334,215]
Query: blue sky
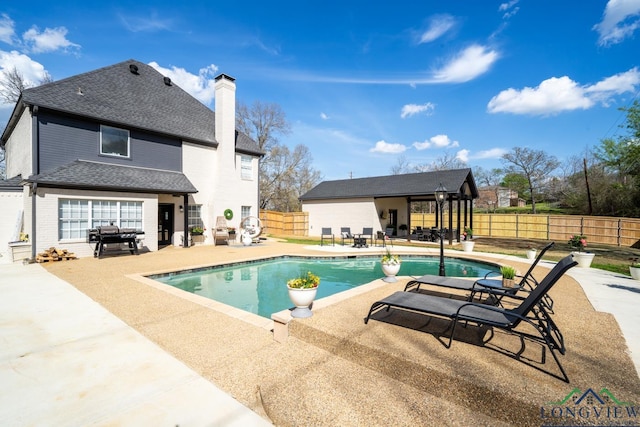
[364,83]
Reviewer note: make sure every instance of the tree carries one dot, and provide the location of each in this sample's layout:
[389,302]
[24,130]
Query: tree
[447,161]
[489,178]
[621,158]
[535,165]
[12,84]
[284,174]
[402,166]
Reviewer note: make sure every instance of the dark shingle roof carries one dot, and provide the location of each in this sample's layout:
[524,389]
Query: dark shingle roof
[11,184]
[415,185]
[103,176]
[139,100]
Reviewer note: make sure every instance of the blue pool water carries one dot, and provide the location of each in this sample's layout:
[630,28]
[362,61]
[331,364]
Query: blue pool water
[259,287]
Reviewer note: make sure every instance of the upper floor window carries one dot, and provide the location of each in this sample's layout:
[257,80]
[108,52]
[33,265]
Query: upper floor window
[114,141]
[246,166]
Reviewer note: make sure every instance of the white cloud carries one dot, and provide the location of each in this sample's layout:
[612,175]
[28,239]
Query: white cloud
[438,25]
[438,141]
[493,153]
[385,147]
[7,29]
[33,72]
[323,116]
[200,86]
[509,9]
[621,18]
[469,64]
[49,40]
[413,109]
[145,24]
[559,94]
[463,155]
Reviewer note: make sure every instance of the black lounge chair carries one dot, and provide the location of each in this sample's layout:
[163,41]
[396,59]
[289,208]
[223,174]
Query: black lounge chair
[530,311]
[493,287]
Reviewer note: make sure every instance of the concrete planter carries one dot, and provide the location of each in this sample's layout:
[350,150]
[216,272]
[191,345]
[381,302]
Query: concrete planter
[635,272]
[583,259]
[302,299]
[390,271]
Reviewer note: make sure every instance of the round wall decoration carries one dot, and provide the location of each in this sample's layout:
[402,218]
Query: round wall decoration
[228,214]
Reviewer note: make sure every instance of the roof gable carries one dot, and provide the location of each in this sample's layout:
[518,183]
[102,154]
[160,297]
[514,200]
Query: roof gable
[416,185]
[133,94]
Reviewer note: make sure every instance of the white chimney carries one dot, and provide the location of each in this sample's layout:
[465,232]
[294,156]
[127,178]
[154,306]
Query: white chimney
[225,117]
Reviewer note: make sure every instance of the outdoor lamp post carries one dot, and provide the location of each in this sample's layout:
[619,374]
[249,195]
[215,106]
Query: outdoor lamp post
[441,195]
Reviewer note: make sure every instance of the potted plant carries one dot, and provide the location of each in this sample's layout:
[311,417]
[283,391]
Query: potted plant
[579,242]
[508,276]
[531,253]
[302,292]
[634,268]
[390,264]
[197,231]
[467,240]
[403,230]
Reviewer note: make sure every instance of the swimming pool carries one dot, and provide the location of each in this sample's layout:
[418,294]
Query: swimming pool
[259,286]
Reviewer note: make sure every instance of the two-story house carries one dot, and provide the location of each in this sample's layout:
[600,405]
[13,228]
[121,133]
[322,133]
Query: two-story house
[123,145]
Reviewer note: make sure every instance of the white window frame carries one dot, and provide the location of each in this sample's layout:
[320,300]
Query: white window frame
[194,216]
[246,168]
[105,130]
[245,211]
[76,216]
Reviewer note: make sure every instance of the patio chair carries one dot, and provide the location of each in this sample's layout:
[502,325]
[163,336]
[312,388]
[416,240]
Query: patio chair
[327,234]
[530,311]
[380,237]
[367,233]
[345,233]
[221,232]
[493,287]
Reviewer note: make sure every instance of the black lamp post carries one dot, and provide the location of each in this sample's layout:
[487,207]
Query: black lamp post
[441,195]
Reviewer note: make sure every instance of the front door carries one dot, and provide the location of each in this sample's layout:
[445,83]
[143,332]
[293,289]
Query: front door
[165,223]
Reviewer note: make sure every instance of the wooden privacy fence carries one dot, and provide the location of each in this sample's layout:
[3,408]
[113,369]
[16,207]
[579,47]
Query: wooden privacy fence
[598,229]
[285,223]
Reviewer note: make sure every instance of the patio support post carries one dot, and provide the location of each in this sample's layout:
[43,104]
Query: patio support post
[185,217]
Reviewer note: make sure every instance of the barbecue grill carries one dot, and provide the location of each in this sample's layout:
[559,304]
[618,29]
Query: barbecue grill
[113,235]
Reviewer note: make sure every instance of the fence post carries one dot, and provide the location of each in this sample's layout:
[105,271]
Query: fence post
[517,225]
[619,232]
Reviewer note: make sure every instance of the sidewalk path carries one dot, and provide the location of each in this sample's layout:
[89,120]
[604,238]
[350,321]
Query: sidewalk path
[66,361]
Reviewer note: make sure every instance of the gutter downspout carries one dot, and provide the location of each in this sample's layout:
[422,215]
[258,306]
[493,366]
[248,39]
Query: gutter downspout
[35,168]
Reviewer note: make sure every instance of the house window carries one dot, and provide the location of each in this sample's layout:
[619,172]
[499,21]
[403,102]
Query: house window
[103,213]
[75,217]
[246,166]
[245,211]
[194,216]
[114,141]
[131,215]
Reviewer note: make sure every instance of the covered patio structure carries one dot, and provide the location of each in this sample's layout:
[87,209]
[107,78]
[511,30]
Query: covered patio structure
[385,202]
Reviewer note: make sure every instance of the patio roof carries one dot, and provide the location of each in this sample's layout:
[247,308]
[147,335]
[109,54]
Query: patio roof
[417,186]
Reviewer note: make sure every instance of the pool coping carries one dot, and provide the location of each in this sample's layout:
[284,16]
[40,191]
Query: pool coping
[278,324]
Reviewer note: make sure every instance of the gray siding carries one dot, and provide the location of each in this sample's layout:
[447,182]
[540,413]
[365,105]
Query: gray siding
[64,139]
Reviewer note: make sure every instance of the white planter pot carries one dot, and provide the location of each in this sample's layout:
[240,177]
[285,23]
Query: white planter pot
[302,299]
[467,245]
[583,258]
[635,272]
[246,239]
[531,254]
[390,271]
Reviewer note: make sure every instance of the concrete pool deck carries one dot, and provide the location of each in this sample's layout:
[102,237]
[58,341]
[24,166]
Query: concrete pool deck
[88,344]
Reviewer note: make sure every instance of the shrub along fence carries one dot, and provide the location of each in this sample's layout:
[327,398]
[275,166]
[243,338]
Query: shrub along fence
[612,231]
